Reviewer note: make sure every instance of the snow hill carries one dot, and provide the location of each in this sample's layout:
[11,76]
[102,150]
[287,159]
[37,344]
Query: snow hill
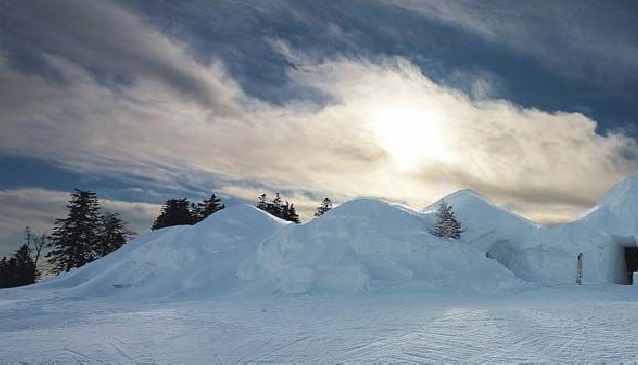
[362,246]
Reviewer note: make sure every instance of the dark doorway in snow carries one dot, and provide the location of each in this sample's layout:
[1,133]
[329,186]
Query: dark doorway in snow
[631,262]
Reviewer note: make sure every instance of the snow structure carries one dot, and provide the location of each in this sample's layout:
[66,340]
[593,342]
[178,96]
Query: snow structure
[550,255]
[364,246]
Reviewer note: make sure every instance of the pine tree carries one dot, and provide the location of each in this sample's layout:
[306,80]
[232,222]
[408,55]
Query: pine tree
[277,208]
[25,267]
[175,212]
[113,234]
[446,225]
[326,205]
[5,273]
[263,202]
[19,270]
[292,215]
[74,238]
[208,207]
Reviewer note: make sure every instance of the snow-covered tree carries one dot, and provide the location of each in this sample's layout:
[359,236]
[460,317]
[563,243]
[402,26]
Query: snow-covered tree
[446,225]
[326,205]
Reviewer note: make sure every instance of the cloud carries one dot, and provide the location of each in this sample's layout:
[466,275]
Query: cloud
[384,129]
[591,40]
[111,42]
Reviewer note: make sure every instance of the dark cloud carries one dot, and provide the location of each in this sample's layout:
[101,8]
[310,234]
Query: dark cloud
[108,41]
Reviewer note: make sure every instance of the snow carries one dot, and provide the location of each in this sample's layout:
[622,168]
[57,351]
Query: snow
[364,282]
[370,245]
[560,324]
[179,262]
[616,210]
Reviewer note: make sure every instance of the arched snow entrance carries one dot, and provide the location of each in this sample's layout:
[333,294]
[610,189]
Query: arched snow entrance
[510,256]
[502,252]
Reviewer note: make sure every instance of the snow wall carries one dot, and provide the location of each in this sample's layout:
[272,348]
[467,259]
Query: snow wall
[364,246]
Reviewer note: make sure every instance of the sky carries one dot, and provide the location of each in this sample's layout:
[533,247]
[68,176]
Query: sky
[531,104]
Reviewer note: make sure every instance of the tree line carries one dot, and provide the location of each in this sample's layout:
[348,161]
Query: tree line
[87,233]
[182,211]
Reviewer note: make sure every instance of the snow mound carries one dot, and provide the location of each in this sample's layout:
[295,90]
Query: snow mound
[482,219]
[616,210]
[369,245]
[361,246]
[179,262]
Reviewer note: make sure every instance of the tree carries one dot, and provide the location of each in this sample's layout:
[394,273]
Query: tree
[208,207]
[263,202]
[35,244]
[75,237]
[326,205]
[25,267]
[19,270]
[174,212]
[278,208]
[292,215]
[113,234]
[446,225]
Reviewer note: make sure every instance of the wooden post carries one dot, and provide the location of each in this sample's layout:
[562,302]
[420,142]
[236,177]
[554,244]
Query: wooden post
[579,270]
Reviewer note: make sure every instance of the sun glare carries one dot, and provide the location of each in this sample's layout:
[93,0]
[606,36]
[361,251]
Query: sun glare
[409,134]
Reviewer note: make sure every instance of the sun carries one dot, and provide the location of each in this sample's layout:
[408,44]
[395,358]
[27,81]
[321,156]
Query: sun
[410,134]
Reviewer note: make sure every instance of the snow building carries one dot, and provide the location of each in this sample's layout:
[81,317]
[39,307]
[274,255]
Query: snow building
[600,247]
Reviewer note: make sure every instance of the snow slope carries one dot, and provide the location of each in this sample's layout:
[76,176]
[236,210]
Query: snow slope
[616,211]
[180,262]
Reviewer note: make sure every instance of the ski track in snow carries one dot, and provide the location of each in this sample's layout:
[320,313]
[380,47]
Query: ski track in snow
[553,324]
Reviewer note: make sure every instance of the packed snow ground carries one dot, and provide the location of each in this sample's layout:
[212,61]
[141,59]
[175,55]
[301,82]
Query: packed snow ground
[567,324]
